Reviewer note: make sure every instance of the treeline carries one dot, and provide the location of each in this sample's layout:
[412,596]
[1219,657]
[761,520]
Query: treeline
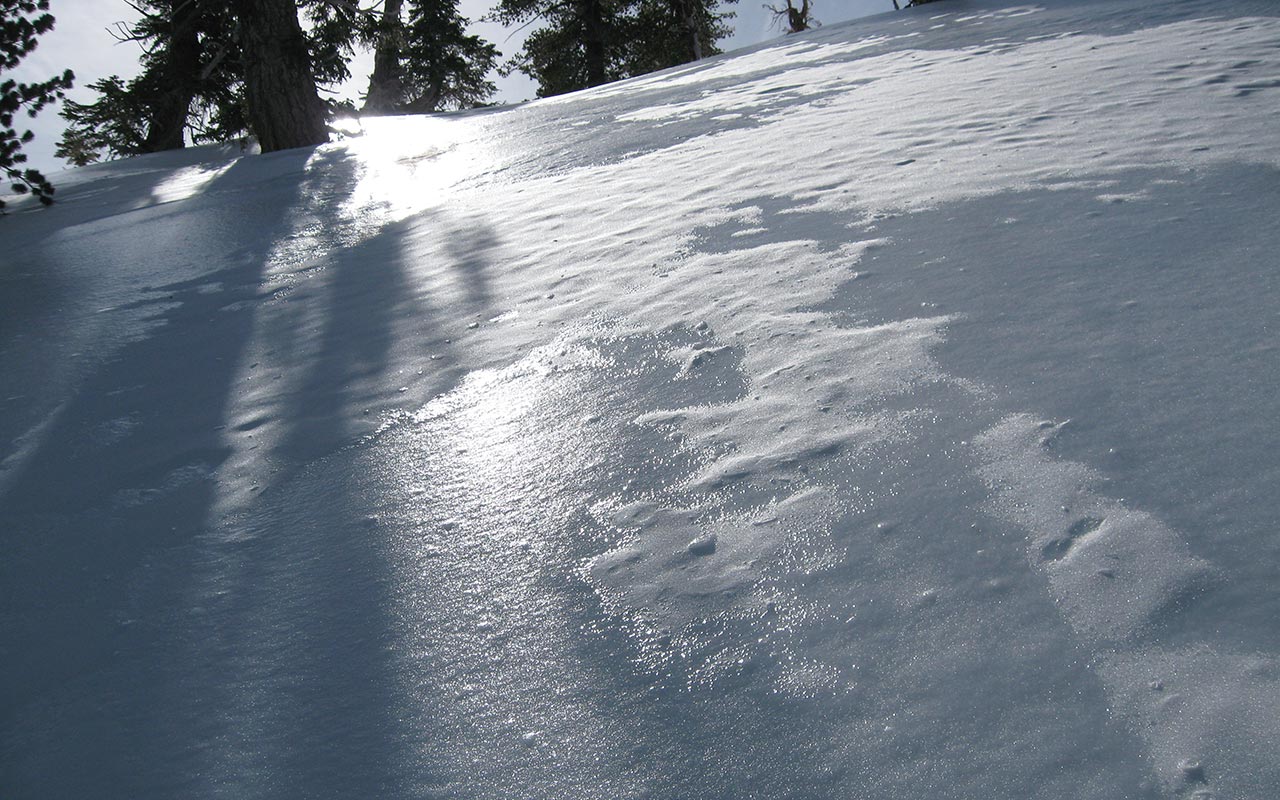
[213,70]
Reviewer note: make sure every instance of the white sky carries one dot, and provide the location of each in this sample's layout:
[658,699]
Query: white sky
[81,41]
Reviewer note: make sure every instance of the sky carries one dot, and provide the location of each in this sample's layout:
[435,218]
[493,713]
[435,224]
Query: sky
[82,40]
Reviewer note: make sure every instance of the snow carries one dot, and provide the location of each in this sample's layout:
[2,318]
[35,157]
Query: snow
[887,411]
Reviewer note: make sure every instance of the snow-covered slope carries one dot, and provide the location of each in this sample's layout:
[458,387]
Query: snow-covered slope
[885,413]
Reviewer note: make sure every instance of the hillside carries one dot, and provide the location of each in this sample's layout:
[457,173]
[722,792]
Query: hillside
[886,412]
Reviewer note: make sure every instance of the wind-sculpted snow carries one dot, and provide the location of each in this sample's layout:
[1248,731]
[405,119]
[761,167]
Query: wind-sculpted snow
[886,412]
[1119,578]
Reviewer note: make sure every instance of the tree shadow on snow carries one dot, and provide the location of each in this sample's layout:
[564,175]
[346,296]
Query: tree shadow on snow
[307,576]
[566,136]
[118,645]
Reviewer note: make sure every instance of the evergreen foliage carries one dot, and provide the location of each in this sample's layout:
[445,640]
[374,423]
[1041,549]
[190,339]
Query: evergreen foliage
[189,87]
[444,67]
[192,83]
[429,63]
[578,45]
[21,23]
[114,124]
[336,27]
[666,33]
[78,148]
[589,42]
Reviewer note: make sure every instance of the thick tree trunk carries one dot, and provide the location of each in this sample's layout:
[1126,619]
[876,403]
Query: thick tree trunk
[168,120]
[425,104]
[386,83]
[280,92]
[593,41]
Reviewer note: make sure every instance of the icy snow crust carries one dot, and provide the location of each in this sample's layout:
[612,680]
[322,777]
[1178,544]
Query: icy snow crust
[887,412]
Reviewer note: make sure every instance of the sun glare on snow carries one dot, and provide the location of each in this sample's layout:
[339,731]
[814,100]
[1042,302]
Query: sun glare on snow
[410,164]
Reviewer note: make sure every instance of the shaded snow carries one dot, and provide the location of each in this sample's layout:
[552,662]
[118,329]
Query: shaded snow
[885,412]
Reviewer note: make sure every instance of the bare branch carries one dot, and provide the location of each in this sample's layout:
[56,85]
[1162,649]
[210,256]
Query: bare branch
[217,59]
[352,8]
[517,30]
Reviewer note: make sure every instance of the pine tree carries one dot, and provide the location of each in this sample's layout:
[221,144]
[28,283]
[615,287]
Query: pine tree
[115,124]
[586,43]
[189,86]
[428,64]
[177,78]
[21,23]
[334,29]
[578,45]
[192,86]
[202,64]
[665,33]
[79,148]
[386,83]
[444,67]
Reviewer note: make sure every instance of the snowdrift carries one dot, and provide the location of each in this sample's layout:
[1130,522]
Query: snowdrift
[888,411]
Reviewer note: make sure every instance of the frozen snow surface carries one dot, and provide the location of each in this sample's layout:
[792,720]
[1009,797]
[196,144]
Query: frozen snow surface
[886,412]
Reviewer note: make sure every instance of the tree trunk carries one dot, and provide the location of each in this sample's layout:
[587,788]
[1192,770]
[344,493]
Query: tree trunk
[687,13]
[798,17]
[181,73]
[280,92]
[593,44]
[386,84]
[427,103]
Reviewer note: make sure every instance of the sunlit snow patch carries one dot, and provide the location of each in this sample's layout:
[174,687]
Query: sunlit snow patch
[187,182]
[408,164]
